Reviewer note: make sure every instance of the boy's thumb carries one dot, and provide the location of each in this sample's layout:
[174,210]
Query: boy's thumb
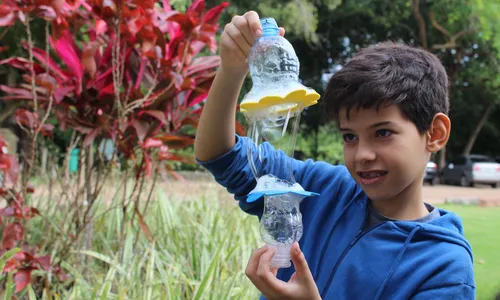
[300,263]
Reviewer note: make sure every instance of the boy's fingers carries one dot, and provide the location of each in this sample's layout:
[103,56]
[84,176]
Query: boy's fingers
[253,262]
[243,28]
[253,23]
[282,31]
[238,39]
[266,280]
[299,261]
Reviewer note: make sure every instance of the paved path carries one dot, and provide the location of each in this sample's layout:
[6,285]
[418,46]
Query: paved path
[482,195]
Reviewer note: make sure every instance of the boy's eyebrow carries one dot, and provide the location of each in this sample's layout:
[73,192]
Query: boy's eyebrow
[371,126]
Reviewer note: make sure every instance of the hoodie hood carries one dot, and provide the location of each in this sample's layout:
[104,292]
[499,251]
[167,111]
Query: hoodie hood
[447,228]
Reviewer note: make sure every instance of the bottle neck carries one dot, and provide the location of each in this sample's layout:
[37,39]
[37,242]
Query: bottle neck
[272,31]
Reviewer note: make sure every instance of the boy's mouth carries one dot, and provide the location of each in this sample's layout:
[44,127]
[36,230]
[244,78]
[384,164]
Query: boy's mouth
[371,177]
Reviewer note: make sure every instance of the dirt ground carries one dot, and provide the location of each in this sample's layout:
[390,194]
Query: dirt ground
[202,185]
[438,194]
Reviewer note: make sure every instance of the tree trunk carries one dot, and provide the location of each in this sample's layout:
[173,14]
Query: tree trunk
[45,154]
[442,158]
[477,129]
[422,31]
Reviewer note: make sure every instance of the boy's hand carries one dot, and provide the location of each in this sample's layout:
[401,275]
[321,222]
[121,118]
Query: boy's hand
[300,286]
[237,39]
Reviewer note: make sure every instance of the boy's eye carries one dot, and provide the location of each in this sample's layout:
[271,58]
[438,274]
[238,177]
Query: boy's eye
[384,133]
[348,137]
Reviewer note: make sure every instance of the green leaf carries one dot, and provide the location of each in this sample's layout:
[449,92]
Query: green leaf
[31,293]
[9,286]
[103,258]
[208,274]
[8,255]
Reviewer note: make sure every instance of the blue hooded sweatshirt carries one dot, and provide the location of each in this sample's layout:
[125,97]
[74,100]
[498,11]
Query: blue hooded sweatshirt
[393,260]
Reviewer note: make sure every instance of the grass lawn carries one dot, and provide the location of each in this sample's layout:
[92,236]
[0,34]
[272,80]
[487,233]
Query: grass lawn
[482,229]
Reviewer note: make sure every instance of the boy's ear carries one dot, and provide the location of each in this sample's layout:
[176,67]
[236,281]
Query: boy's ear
[439,133]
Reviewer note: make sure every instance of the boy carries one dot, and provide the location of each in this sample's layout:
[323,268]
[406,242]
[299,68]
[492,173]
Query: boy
[369,235]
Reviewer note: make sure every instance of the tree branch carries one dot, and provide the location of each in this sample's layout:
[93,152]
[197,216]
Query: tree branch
[437,25]
[422,33]
[452,43]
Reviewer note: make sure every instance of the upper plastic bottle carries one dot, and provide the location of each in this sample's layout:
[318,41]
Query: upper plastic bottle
[272,58]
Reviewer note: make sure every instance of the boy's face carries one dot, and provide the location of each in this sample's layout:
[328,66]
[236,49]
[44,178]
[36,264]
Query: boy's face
[383,151]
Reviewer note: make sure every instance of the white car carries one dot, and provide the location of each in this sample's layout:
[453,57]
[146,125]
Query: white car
[431,173]
[471,169]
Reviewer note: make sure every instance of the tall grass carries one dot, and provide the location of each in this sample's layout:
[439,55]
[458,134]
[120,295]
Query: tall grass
[200,251]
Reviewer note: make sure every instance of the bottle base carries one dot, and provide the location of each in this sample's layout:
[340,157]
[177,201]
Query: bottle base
[282,258]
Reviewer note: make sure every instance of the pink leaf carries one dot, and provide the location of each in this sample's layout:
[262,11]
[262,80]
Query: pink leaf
[11,265]
[8,19]
[60,93]
[22,278]
[88,60]
[142,67]
[147,165]
[26,94]
[46,12]
[152,143]
[44,261]
[11,234]
[155,114]
[47,129]
[10,167]
[101,27]
[65,49]
[22,64]
[212,16]
[91,136]
[166,5]
[203,63]
[196,8]
[7,212]
[198,99]
[26,118]
[141,128]
[185,23]
[106,91]
[41,56]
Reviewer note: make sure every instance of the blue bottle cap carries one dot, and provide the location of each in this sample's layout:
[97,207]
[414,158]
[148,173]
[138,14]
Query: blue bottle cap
[269,27]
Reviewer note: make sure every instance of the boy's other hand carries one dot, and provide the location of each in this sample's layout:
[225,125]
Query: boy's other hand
[300,286]
[237,40]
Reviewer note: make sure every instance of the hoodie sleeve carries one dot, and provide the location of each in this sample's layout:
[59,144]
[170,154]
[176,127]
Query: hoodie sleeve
[455,292]
[232,170]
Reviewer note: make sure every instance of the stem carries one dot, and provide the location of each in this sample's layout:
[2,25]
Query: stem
[147,204]
[31,63]
[136,206]
[29,162]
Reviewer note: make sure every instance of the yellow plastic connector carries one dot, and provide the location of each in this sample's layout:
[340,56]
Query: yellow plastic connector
[303,97]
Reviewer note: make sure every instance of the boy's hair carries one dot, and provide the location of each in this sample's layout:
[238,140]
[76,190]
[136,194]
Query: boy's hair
[391,73]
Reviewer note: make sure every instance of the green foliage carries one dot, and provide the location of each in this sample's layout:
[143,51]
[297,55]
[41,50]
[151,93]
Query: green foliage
[481,230]
[200,251]
[325,144]
[487,13]
[300,18]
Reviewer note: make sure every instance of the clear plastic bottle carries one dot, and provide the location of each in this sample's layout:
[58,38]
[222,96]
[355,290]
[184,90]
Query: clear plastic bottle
[273,108]
[274,68]
[273,63]
[281,225]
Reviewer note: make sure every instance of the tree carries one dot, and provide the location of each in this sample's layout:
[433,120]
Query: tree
[130,71]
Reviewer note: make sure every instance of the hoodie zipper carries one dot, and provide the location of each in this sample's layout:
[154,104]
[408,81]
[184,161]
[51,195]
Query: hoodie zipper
[358,236]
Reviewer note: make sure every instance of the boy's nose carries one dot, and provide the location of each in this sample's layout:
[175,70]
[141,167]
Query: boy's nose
[365,153]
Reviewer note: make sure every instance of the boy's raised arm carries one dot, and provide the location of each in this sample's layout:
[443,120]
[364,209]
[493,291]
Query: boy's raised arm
[215,134]
[216,130]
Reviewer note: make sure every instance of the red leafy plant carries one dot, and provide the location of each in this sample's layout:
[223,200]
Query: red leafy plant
[133,72]
[12,217]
